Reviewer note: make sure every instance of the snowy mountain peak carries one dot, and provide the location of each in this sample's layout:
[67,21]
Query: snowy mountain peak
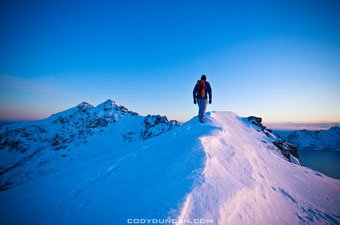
[108,104]
[84,106]
[110,111]
[111,107]
[24,147]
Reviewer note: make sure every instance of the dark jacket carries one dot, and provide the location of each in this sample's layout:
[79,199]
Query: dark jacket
[207,90]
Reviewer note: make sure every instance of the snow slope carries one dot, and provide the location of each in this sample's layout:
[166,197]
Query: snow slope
[224,171]
[246,181]
[40,148]
[314,140]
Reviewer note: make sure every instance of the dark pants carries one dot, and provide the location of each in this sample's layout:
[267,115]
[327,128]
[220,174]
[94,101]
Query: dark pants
[202,106]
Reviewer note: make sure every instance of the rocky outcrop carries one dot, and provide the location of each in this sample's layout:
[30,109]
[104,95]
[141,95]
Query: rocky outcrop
[288,150]
[156,125]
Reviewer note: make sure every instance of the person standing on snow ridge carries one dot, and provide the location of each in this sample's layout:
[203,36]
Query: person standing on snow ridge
[202,88]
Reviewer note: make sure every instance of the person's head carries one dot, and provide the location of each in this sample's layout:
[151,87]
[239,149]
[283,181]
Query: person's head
[203,77]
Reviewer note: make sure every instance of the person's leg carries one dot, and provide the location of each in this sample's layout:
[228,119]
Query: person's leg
[200,107]
[202,104]
[204,108]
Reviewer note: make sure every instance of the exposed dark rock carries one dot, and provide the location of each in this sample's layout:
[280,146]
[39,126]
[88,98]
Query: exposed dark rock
[285,148]
[256,121]
[161,122]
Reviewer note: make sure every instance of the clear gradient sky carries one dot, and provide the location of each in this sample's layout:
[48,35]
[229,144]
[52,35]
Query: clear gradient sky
[276,59]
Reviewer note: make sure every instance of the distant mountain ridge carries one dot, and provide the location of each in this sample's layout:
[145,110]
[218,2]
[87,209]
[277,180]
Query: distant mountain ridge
[313,140]
[63,134]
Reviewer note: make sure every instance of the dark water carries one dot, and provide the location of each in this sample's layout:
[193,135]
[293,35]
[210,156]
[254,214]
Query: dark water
[327,162]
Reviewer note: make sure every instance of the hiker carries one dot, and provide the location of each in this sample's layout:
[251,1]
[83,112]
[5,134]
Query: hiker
[202,88]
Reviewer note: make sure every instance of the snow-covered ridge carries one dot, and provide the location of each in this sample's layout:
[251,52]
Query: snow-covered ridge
[314,140]
[246,181]
[26,148]
[228,170]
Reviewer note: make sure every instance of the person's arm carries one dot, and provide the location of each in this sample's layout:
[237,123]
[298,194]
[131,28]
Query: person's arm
[209,93]
[194,93]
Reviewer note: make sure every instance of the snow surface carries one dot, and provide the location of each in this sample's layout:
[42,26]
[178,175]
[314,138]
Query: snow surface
[247,182]
[225,170]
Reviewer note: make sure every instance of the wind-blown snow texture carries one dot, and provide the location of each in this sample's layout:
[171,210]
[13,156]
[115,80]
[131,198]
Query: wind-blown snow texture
[314,140]
[246,181]
[227,170]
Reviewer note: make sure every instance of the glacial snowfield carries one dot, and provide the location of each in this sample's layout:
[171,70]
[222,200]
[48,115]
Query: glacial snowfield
[224,171]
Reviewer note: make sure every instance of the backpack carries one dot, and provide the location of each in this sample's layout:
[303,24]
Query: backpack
[201,88]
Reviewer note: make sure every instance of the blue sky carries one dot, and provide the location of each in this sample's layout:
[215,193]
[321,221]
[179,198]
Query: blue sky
[277,60]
